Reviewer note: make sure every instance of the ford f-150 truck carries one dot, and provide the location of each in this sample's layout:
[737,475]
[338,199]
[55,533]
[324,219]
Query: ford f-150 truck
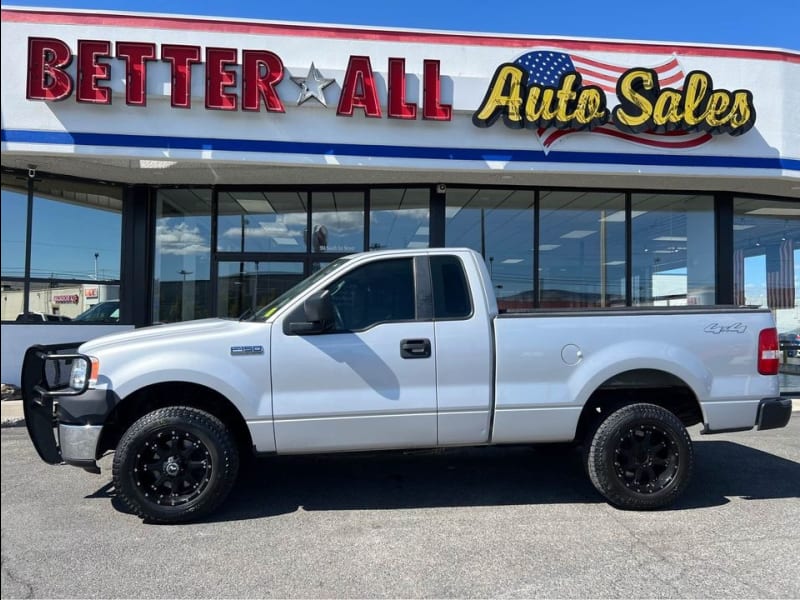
[398,350]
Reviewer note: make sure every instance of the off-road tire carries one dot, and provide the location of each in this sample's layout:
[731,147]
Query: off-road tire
[175,464]
[640,457]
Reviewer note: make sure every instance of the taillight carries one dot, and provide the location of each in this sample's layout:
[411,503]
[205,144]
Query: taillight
[769,354]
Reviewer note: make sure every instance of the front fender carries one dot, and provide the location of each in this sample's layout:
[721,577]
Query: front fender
[245,381]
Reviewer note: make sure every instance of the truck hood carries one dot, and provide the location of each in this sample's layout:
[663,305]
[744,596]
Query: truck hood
[175,332]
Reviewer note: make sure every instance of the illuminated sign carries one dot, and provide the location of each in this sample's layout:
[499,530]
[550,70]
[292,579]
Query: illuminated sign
[229,83]
[546,91]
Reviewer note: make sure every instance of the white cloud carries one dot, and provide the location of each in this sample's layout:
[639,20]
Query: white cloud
[180,240]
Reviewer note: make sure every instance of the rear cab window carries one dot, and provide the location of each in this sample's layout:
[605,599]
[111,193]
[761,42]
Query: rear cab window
[451,297]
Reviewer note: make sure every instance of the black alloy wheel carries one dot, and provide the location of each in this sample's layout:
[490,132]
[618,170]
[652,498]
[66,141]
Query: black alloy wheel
[640,457]
[175,464]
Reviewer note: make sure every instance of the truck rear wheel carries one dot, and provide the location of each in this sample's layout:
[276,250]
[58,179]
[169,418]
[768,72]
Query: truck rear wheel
[640,457]
[175,464]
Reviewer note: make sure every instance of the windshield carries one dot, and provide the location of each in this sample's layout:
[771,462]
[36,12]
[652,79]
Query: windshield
[105,312]
[267,311]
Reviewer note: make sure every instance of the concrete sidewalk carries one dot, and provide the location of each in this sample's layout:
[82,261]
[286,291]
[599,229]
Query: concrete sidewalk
[13,415]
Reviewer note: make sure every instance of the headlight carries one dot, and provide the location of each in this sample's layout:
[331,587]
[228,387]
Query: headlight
[81,369]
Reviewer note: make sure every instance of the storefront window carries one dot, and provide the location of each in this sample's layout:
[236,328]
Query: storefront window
[582,249]
[399,218]
[498,223]
[337,222]
[77,231]
[244,287]
[182,255]
[75,248]
[13,219]
[262,221]
[674,250]
[766,271]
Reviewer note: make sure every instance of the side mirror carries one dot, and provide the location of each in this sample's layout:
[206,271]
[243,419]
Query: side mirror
[319,308]
[318,313]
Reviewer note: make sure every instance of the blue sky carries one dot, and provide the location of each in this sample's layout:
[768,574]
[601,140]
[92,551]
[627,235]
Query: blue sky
[738,22]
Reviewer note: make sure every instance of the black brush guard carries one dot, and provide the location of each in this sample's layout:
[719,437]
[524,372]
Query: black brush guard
[45,376]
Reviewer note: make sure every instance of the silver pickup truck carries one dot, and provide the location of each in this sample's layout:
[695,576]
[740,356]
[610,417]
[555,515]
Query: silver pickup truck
[397,350]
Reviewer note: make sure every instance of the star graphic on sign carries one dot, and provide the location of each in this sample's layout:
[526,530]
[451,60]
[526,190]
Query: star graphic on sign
[312,86]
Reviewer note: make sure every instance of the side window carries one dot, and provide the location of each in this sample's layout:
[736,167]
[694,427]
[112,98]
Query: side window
[375,293]
[451,298]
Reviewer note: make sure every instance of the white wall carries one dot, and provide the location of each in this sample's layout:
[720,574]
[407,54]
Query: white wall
[16,339]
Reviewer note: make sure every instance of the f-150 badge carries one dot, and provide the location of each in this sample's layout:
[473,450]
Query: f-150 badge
[243,350]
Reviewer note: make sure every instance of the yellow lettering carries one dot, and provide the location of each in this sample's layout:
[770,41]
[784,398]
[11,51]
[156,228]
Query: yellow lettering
[635,110]
[695,89]
[717,113]
[743,112]
[504,94]
[667,109]
[565,96]
[591,108]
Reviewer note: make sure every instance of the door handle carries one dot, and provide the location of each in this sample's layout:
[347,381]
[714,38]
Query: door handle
[419,348]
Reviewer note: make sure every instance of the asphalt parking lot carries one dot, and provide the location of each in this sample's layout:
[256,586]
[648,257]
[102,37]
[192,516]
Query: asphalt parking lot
[497,522]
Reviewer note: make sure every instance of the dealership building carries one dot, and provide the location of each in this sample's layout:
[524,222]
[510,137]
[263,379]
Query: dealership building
[190,167]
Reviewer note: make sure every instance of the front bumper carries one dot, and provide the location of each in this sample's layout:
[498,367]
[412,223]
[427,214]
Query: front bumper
[63,428]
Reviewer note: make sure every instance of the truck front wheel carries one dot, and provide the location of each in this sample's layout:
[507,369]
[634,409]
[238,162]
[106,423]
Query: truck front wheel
[640,457]
[175,464]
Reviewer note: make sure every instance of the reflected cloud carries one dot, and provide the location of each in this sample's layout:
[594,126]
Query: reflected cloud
[181,240]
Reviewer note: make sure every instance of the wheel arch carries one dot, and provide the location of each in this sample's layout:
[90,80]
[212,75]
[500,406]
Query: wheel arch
[173,393]
[641,385]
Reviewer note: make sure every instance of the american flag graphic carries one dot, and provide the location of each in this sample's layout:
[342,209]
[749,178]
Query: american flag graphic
[545,68]
[780,276]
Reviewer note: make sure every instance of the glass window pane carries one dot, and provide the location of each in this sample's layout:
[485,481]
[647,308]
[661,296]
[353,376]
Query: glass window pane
[766,271]
[244,287]
[13,219]
[399,218]
[337,222]
[582,249]
[262,221]
[13,298]
[673,250]
[498,223]
[451,298]
[375,293]
[76,231]
[183,255]
[60,301]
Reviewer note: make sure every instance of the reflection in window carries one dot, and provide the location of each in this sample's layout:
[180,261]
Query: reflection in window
[582,249]
[182,257]
[498,223]
[244,287]
[77,231]
[337,222]
[399,218]
[13,218]
[673,250]
[377,292]
[262,221]
[766,271]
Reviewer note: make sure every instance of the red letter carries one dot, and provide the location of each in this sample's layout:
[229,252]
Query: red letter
[90,71]
[182,59]
[432,95]
[136,55]
[256,86]
[217,78]
[359,76]
[398,107]
[47,79]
